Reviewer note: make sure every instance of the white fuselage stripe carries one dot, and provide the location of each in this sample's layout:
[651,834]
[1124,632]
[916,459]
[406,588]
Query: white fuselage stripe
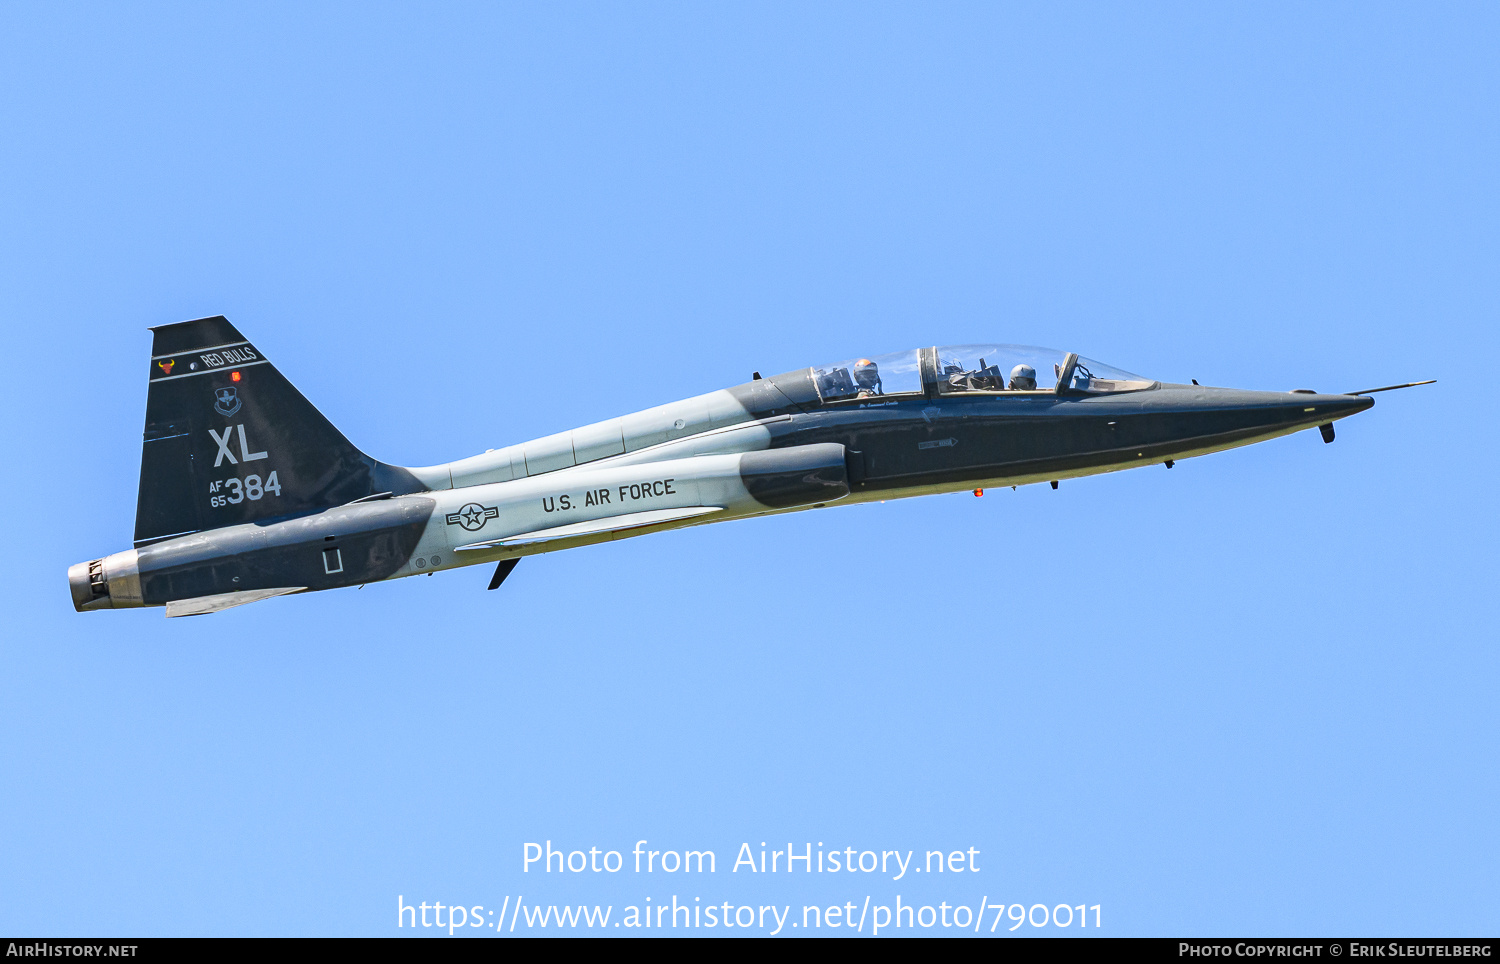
[169,535]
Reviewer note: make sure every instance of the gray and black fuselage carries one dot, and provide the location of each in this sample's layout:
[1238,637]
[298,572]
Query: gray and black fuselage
[248,492]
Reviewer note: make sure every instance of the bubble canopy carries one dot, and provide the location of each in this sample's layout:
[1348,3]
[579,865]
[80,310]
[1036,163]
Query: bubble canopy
[973,368]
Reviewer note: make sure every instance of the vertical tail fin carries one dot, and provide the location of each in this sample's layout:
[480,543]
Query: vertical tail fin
[229,440]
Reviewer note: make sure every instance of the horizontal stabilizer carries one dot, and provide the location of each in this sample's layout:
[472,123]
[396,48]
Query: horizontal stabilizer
[225,600]
[614,523]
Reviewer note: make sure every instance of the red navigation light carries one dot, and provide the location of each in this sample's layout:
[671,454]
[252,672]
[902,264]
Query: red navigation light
[234,376]
[978,493]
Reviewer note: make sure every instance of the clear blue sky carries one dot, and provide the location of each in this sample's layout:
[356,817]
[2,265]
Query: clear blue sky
[1253,695]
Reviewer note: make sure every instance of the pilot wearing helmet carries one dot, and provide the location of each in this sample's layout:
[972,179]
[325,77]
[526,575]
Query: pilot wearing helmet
[1022,379]
[867,378]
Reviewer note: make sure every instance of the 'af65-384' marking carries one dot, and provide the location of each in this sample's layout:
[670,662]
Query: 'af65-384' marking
[251,487]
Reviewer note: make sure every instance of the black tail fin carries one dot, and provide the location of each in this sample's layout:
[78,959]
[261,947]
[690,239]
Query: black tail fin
[229,440]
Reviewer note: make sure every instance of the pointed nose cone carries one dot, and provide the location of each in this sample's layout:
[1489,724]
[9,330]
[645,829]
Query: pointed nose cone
[1327,408]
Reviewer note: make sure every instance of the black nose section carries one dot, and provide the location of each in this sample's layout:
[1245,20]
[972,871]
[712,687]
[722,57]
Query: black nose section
[1341,406]
[1308,408]
[1201,412]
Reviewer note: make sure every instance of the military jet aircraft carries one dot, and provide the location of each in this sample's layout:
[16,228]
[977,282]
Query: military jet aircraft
[248,492]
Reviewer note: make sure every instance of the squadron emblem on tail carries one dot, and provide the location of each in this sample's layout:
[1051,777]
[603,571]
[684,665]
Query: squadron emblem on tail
[226,401]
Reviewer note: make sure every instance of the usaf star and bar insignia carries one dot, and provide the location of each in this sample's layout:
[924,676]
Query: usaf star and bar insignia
[473,516]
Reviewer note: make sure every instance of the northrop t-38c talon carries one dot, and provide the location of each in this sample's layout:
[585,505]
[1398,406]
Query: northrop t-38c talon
[248,492]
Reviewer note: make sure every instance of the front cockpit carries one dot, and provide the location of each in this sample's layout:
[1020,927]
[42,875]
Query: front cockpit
[1023,368]
[971,369]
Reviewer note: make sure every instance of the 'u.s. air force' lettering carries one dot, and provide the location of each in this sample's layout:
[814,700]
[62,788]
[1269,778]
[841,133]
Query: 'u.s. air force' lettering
[627,493]
[473,516]
[223,443]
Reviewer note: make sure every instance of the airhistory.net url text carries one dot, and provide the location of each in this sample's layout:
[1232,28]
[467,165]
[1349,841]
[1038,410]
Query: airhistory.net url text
[853,917]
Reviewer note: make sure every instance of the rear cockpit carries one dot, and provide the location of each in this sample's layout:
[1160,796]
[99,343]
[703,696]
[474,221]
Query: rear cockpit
[899,373]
